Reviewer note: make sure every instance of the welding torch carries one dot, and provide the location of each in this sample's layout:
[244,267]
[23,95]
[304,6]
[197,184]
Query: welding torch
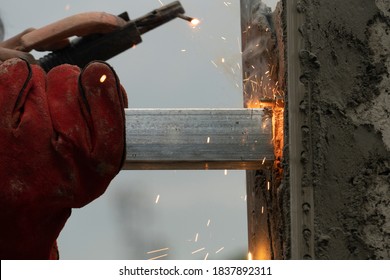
[83,50]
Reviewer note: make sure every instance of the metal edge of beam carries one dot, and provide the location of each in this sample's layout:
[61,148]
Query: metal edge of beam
[193,139]
[302,243]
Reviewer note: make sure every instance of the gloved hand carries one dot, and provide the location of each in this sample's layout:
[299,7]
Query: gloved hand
[62,140]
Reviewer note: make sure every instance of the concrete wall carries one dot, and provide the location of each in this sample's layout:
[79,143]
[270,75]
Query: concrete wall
[345,66]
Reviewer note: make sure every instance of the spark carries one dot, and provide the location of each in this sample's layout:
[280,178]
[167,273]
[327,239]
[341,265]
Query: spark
[253,67]
[103,78]
[245,197]
[196,237]
[214,63]
[223,60]
[225,172]
[208,223]
[223,38]
[264,160]
[183,50]
[197,251]
[157,251]
[208,140]
[250,257]
[238,66]
[158,257]
[219,250]
[161,2]
[262,209]
[207,255]
[67,7]
[268,185]
[157,198]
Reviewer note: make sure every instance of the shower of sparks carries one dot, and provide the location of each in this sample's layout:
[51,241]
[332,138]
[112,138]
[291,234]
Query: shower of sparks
[226,172]
[103,78]
[157,198]
[158,257]
[207,255]
[197,251]
[219,250]
[196,237]
[208,223]
[157,251]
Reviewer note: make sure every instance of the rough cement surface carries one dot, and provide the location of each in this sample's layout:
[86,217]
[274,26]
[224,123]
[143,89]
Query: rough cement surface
[346,67]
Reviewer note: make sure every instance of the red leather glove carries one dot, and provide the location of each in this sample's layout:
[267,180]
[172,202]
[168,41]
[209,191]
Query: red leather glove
[62,140]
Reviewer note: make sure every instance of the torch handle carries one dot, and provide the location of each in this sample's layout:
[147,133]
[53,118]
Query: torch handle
[85,49]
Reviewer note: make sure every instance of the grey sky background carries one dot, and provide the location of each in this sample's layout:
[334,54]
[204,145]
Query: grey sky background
[175,66]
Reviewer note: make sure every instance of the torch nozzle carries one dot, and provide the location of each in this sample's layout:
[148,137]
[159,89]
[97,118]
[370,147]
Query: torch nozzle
[193,21]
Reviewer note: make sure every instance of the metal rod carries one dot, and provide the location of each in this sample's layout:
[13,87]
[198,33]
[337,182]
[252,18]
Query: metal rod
[163,139]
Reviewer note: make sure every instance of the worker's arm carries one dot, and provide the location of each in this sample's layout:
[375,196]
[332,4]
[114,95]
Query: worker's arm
[55,36]
[8,49]
[101,36]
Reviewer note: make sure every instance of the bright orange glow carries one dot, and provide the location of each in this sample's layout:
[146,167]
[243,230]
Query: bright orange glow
[277,107]
[195,22]
[253,103]
[262,253]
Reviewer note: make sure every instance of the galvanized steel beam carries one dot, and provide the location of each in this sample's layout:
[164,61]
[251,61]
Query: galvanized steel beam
[197,139]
